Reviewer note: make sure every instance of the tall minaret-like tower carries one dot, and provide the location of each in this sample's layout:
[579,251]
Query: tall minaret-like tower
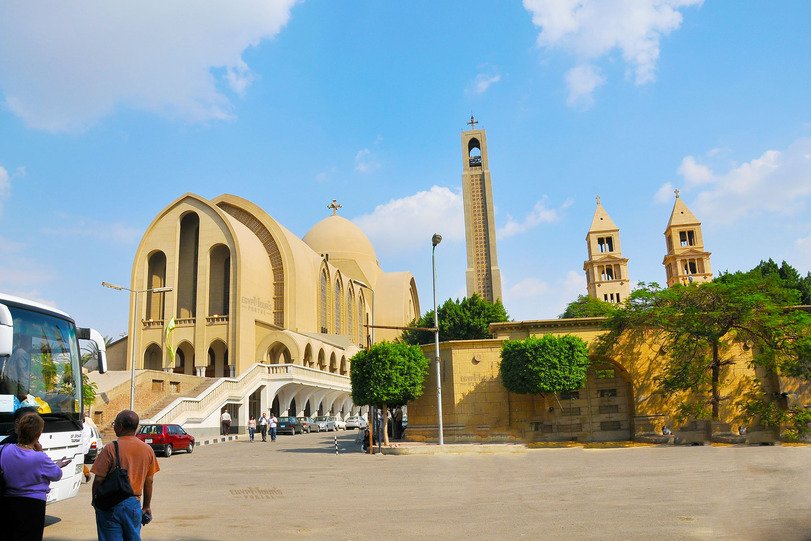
[483,275]
[686,261]
[606,269]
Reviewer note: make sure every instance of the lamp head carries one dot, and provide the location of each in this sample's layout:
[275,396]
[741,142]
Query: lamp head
[436,239]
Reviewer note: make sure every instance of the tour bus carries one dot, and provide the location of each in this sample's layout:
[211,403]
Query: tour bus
[40,367]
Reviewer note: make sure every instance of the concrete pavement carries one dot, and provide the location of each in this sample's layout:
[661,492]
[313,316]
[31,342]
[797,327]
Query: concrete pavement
[297,488]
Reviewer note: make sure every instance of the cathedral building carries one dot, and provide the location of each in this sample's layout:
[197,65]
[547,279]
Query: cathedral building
[250,300]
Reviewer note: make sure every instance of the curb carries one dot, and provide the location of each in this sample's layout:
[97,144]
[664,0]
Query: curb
[457,449]
[218,439]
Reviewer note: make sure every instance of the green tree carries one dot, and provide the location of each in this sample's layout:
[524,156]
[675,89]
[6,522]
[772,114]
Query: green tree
[468,319]
[549,364]
[388,374]
[586,306]
[697,324]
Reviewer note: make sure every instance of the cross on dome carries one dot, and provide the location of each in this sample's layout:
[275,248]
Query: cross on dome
[334,207]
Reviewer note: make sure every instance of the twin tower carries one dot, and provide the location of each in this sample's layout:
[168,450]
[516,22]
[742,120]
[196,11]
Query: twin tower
[606,270]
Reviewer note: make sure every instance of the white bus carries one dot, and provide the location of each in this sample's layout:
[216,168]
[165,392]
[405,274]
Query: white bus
[40,367]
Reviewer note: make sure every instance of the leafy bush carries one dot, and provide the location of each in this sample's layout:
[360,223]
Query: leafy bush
[549,364]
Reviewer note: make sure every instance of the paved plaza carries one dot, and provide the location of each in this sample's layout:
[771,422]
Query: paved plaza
[297,488]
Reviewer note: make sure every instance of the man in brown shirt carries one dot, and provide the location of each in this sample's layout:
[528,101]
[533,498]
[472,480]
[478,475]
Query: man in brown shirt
[123,521]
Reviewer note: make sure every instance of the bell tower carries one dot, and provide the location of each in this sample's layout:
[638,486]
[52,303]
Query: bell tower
[686,261]
[483,275]
[606,269]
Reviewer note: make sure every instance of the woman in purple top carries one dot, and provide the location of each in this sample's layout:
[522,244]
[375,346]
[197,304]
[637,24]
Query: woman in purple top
[28,473]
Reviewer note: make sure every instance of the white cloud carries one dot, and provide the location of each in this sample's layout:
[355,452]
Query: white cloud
[591,29]
[664,193]
[366,162]
[777,182]
[406,223]
[582,81]
[540,214]
[5,187]
[483,82]
[64,66]
[532,298]
[72,227]
[695,173]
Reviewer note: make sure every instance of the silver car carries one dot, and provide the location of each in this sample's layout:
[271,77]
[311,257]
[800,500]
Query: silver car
[325,422]
[356,421]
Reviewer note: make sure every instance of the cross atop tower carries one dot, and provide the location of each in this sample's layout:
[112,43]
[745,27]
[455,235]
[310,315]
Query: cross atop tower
[334,207]
[472,122]
[676,191]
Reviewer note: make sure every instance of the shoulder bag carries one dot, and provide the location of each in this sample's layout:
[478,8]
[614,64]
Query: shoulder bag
[115,488]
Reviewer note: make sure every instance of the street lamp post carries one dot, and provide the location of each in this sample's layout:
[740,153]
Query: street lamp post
[134,328]
[371,330]
[436,239]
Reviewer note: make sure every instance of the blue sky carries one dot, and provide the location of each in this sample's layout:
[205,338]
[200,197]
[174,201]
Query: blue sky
[108,112]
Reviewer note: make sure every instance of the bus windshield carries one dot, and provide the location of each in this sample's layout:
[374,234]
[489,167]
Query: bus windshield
[43,370]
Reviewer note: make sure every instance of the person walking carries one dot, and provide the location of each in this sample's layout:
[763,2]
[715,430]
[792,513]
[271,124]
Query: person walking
[28,473]
[225,419]
[272,423]
[123,520]
[251,427]
[263,426]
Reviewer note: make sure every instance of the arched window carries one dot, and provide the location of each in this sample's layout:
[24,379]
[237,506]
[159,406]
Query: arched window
[350,316]
[322,312]
[219,281]
[187,266]
[338,299]
[361,320]
[156,278]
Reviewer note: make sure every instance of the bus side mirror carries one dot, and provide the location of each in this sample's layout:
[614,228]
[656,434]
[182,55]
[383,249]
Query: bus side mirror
[85,333]
[6,331]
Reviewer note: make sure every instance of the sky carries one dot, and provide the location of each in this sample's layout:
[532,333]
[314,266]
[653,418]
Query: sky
[110,111]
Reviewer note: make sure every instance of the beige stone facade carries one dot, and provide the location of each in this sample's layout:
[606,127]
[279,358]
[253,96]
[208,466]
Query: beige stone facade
[246,290]
[606,270]
[483,275]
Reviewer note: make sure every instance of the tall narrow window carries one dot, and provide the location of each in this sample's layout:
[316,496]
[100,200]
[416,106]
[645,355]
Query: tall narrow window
[350,317]
[322,312]
[156,278]
[338,303]
[187,266]
[219,281]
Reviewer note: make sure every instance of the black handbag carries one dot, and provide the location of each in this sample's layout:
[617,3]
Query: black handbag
[115,488]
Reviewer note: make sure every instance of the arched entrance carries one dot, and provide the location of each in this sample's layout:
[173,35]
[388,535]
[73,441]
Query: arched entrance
[601,411]
[278,354]
[152,357]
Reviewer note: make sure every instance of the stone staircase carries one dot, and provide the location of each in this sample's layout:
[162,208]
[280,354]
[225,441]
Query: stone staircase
[151,396]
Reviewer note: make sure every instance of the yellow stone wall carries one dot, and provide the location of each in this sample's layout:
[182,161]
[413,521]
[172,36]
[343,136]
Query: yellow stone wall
[476,404]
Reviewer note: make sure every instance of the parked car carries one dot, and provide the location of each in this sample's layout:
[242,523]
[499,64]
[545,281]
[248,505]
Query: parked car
[166,439]
[356,421]
[308,424]
[95,445]
[339,423]
[325,422]
[289,425]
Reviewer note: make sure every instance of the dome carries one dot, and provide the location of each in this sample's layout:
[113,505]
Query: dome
[341,239]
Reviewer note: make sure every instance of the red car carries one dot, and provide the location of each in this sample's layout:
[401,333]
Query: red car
[166,439]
